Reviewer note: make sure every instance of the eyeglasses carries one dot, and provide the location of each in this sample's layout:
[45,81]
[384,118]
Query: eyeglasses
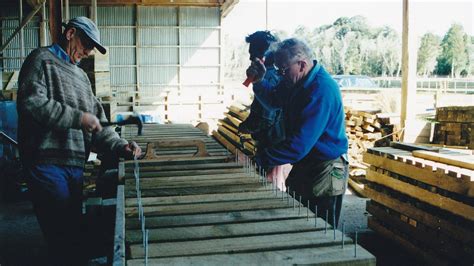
[282,71]
[87,43]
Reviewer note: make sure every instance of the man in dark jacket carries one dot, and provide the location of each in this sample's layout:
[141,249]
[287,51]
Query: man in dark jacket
[316,143]
[58,121]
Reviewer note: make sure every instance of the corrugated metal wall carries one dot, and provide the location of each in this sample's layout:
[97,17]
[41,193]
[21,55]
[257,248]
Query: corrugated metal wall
[11,59]
[165,60]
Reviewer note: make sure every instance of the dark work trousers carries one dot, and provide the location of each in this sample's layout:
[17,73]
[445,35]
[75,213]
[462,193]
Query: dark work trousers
[310,176]
[56,193]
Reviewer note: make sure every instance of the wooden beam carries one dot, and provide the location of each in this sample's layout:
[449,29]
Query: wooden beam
[216,218]
[146,175]
[55,19]
[153,201]
[447,204]
[212,3]
[461,160]
[427,256]
[119,236]
[43,35]
[225,188]
[238,245]
[428,219]
[12,80]
[423,173]
[308,256]
[227,6]
[408,100]
[235,230]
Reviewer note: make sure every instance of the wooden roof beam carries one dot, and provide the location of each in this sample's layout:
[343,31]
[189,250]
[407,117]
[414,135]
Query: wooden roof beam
[209,3]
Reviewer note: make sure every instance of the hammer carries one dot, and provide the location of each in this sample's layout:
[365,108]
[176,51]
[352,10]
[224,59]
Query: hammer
[259,42]
[131,120]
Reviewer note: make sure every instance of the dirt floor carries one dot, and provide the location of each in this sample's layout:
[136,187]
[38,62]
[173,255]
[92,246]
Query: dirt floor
[21,241]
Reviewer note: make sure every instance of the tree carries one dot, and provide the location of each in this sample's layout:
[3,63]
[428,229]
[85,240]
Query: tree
[428,52]
[454,57]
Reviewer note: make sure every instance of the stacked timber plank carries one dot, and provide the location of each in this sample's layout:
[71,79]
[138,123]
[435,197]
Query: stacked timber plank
[364,130]
[97,68]
[455,126]
[424,200]
[227,133]
[170,132]
[211,210]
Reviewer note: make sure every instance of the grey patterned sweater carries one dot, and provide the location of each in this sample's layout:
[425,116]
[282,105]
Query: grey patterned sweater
[52,96]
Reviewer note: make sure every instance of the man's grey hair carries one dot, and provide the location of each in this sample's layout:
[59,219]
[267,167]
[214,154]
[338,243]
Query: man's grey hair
[295,49]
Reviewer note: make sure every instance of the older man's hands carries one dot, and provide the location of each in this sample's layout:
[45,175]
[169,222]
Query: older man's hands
[131,150]
[256,70]
[90,123]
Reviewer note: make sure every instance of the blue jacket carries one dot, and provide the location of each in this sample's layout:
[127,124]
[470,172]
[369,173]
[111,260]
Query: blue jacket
[314,119]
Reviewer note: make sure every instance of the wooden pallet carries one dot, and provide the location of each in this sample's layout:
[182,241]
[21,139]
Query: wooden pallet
[212,211]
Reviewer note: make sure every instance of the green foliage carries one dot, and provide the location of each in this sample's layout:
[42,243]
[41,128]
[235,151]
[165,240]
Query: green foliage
[428,52]
[454,57]
[351,46]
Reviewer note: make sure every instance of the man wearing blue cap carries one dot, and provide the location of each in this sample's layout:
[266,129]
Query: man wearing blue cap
[58,122]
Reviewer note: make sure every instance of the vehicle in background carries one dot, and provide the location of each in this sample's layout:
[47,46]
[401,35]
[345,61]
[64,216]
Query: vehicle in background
[355,81]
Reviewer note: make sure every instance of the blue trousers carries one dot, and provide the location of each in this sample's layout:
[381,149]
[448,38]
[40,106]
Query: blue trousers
[56,193]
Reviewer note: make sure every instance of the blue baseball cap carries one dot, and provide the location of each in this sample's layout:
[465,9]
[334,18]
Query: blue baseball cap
[89,28]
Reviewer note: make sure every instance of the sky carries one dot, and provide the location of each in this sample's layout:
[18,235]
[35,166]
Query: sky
[435,16]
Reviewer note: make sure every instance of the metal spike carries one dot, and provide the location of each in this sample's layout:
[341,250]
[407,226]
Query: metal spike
[282,191]
[143,230]
[355,245]
[288,195]
[146,248]
[307,211]
[255,170]
[265,178]
[299,206]
[246,164]
[334,222]
[326,222]
[315,215]
[294,200]
[249,165]
[343,232]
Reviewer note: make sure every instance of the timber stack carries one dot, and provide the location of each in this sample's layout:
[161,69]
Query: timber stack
[455,126]
[212,210]
[365,130]
[227,132]
[423,198]
[97,68]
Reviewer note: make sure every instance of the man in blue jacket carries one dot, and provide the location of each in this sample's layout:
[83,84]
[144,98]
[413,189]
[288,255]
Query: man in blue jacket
[316,143]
